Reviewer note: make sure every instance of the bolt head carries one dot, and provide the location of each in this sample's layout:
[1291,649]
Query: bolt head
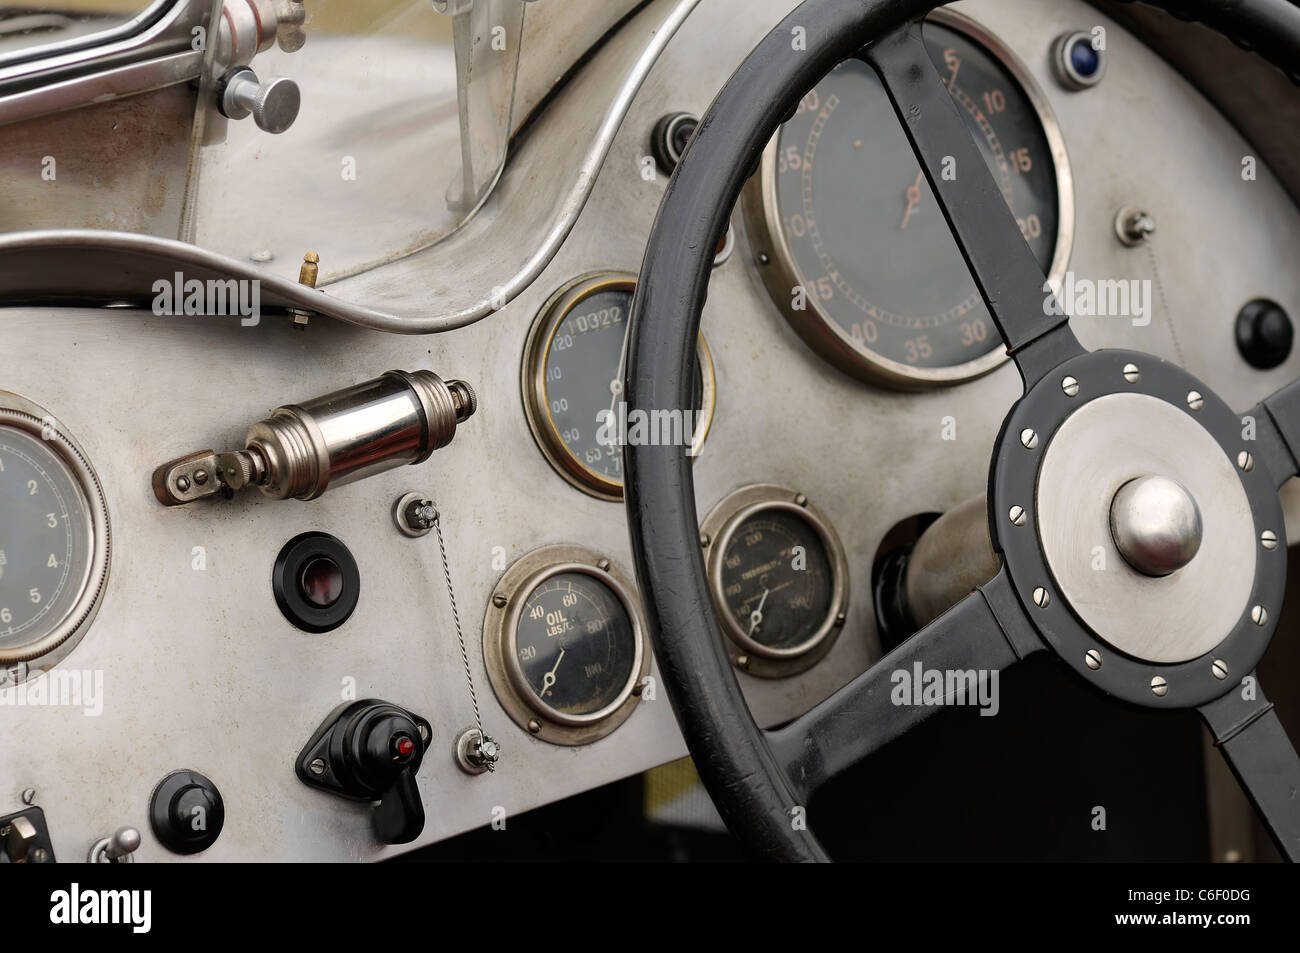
[1042,598]
[1093,659]
[1259,615]
[200,477]
[1268,539]
[1220,669]
[317,766]
[1070,385]
[1194,400]
[1131,373]
[1159,687]
[29,796]
[1029,438]
[534,726]
[603,565]
[800,500]
[183,484]
[499,600]
[1245,462]
[1017,515]
[704,540]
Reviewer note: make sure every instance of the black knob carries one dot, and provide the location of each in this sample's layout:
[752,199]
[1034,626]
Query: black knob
[369,750]
[1264,333]
[186,812]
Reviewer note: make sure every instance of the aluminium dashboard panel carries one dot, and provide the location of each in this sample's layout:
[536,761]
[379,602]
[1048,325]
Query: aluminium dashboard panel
[202,672]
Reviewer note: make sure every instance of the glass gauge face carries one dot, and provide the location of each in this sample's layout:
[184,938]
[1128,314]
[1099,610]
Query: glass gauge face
[45,539]
[777,579]
[581,388]
[867,239]
[576,645]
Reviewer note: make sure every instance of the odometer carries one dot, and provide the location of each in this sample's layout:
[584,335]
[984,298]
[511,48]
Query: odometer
[852,244]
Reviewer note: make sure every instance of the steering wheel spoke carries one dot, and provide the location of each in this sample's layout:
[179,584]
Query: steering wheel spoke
[1008,276]
[1260,754]
[955,654]
[1277,426]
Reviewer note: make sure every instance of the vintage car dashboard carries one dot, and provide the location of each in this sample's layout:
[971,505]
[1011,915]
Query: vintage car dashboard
[217,637]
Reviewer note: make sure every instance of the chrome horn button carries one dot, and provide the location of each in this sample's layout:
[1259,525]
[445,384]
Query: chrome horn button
[1156,524]
[1126,554]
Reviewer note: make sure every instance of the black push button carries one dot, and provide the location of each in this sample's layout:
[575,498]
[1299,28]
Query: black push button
[316,582]
[187,812]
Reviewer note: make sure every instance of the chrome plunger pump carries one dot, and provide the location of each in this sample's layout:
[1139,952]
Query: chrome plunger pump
[302,449]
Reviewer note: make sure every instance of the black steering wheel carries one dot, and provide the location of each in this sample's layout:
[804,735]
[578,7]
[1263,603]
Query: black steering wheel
[1097,443]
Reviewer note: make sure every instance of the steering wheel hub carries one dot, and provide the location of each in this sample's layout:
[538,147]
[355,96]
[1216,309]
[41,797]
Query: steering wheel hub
[1146,532]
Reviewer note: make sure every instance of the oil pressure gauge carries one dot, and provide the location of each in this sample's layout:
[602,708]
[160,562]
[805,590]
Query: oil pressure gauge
[54,539]
[573,383]
[565,645]
[779,579]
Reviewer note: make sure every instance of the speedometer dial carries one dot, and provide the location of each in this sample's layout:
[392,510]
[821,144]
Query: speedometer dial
[53,538]
[852,243]
[573,383]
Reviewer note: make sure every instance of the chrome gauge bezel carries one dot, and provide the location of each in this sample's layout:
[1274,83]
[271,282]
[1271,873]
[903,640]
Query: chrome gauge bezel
[500,628]
[533,383]
[716,533]
[780,273]
[38,655]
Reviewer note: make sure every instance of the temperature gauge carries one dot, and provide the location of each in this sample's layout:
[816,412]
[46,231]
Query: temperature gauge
[779,579]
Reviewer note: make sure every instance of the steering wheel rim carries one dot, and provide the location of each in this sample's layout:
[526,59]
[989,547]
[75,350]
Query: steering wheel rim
[759,780]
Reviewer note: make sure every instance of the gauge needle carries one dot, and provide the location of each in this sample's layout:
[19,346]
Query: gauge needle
[913,197]
[616,385]
[549,678]
[756,616]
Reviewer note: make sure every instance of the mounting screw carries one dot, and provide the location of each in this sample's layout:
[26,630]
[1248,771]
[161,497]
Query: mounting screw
[800,500]
[1017,515]
[1028,438]
[840,618]
[1220,669]
[1159,687]
[476,753]
[1042,598]
[1093,659]
[29,796]
[534,726]
[1245,461]
[424,732]
[704,540]
[1268,539]
[1070,385]
[1195,400]
[200,477]
[1259,615]
[317,766]
[183,483]
[1131,373]
[500,600]
[40,855]
[742,661]
[414,515]
[603,565]
[1134,226]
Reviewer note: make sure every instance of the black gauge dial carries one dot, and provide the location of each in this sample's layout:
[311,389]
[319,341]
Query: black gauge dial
[574,385]
[45,539]
[885,290]
[575,645]
[777,579]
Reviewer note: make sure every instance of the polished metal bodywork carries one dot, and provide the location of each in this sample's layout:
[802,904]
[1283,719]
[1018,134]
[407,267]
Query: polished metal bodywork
[202,672]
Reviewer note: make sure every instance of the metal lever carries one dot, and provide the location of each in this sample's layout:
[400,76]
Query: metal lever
[302,449]
[117,849]
[273,106]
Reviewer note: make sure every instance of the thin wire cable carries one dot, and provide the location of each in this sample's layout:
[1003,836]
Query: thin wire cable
[460,635]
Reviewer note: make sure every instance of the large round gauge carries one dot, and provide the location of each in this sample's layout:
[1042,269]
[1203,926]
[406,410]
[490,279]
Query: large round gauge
[850,240]
[54,539]
[573,383]
[779,579]
[565,645]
